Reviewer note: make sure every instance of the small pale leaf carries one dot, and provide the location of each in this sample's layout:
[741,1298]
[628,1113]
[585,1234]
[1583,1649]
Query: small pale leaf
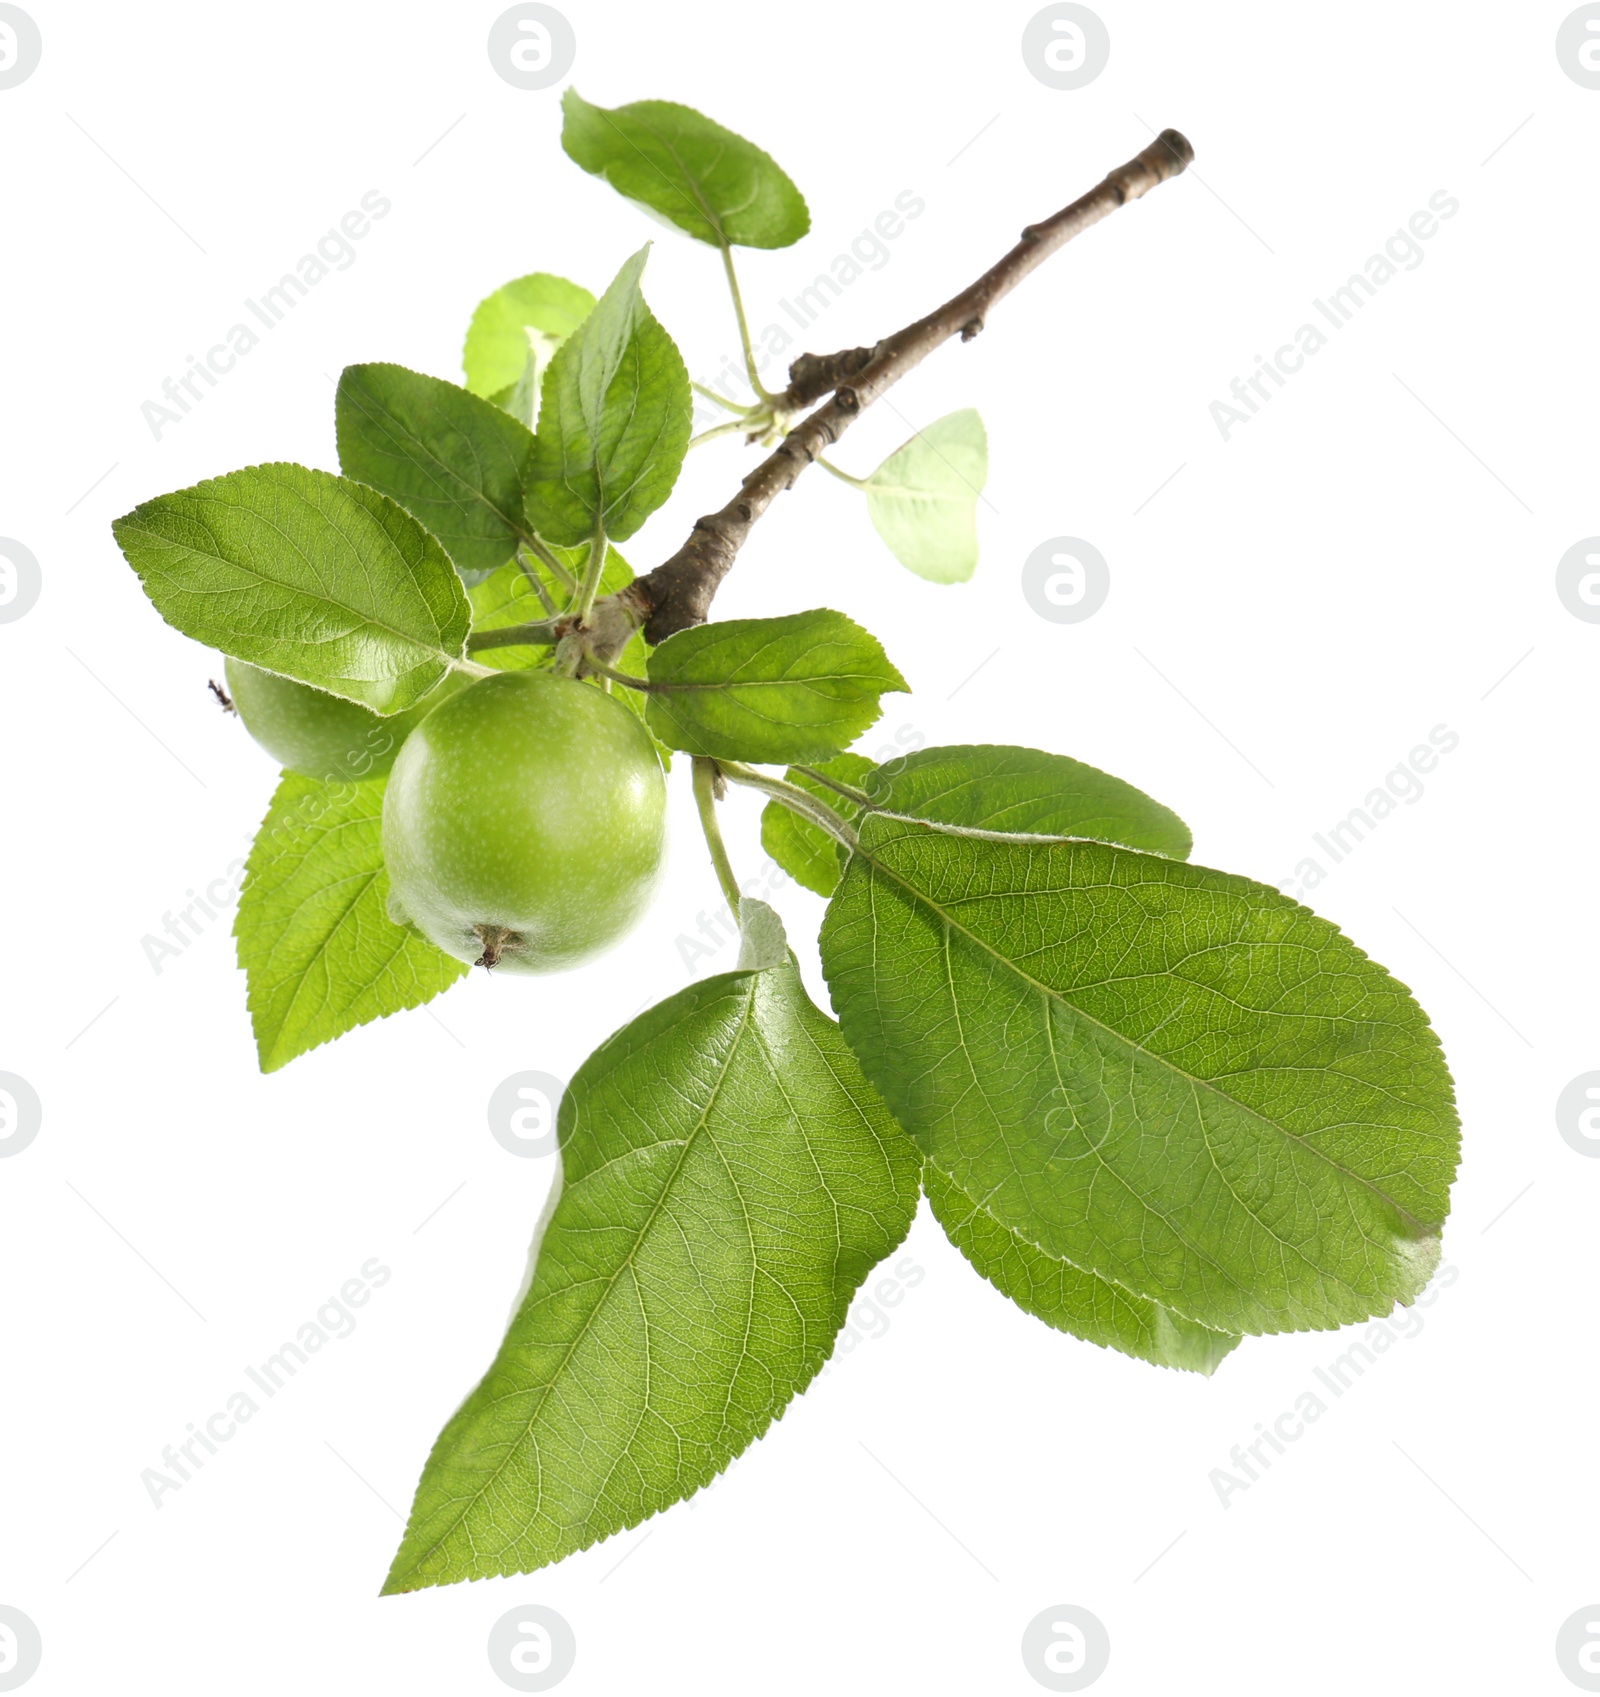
[499,340]
[923,499]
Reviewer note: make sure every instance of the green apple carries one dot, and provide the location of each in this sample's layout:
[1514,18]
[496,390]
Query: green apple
[321,735]
[525,822]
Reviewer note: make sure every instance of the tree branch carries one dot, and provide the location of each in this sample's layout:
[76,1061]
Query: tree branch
[678,593]
[814,375]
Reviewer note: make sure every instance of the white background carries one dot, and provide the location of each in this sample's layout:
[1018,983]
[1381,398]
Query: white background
[1294,610]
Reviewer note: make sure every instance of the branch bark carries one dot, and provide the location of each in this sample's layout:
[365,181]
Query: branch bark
[678,593]
[814,375]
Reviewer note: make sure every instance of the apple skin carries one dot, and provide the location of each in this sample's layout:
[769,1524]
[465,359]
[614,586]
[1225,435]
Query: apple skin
[323,736]
[524,825]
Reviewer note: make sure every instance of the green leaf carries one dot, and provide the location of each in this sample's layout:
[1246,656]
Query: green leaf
[1023,790]
[799,687]
[687,170]
[526,320]
[805,851]
[314,934]
[923,499]
[1064,1296]
[1017,790]
[730,1179]
[307,574]
[613,421]
[1174,1078]
[456,463]
[985,787]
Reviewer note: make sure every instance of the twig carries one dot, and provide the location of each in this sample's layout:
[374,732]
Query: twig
[678,593]
[542,633]
[814,375]
[721,400]
[843,476]
[612,675]
[717,430]
[792,797]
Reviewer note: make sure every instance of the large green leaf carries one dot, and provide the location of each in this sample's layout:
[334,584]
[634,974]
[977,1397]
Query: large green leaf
[456,463]
[1174,1078]
[613,420]
[1013,790]
[986,787]
[307,574]
[923,499]
[527,319]
[799,687]
[315,938]
[679,165]
[1064,1296]
[730,1179]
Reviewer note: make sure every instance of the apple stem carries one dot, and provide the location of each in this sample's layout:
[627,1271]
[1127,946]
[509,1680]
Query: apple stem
[707,780]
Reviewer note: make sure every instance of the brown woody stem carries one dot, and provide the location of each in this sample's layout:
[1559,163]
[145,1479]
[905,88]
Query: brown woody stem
[814,375]
[678,593]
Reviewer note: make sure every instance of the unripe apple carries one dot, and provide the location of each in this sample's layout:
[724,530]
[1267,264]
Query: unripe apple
[321,735]
[524,824]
